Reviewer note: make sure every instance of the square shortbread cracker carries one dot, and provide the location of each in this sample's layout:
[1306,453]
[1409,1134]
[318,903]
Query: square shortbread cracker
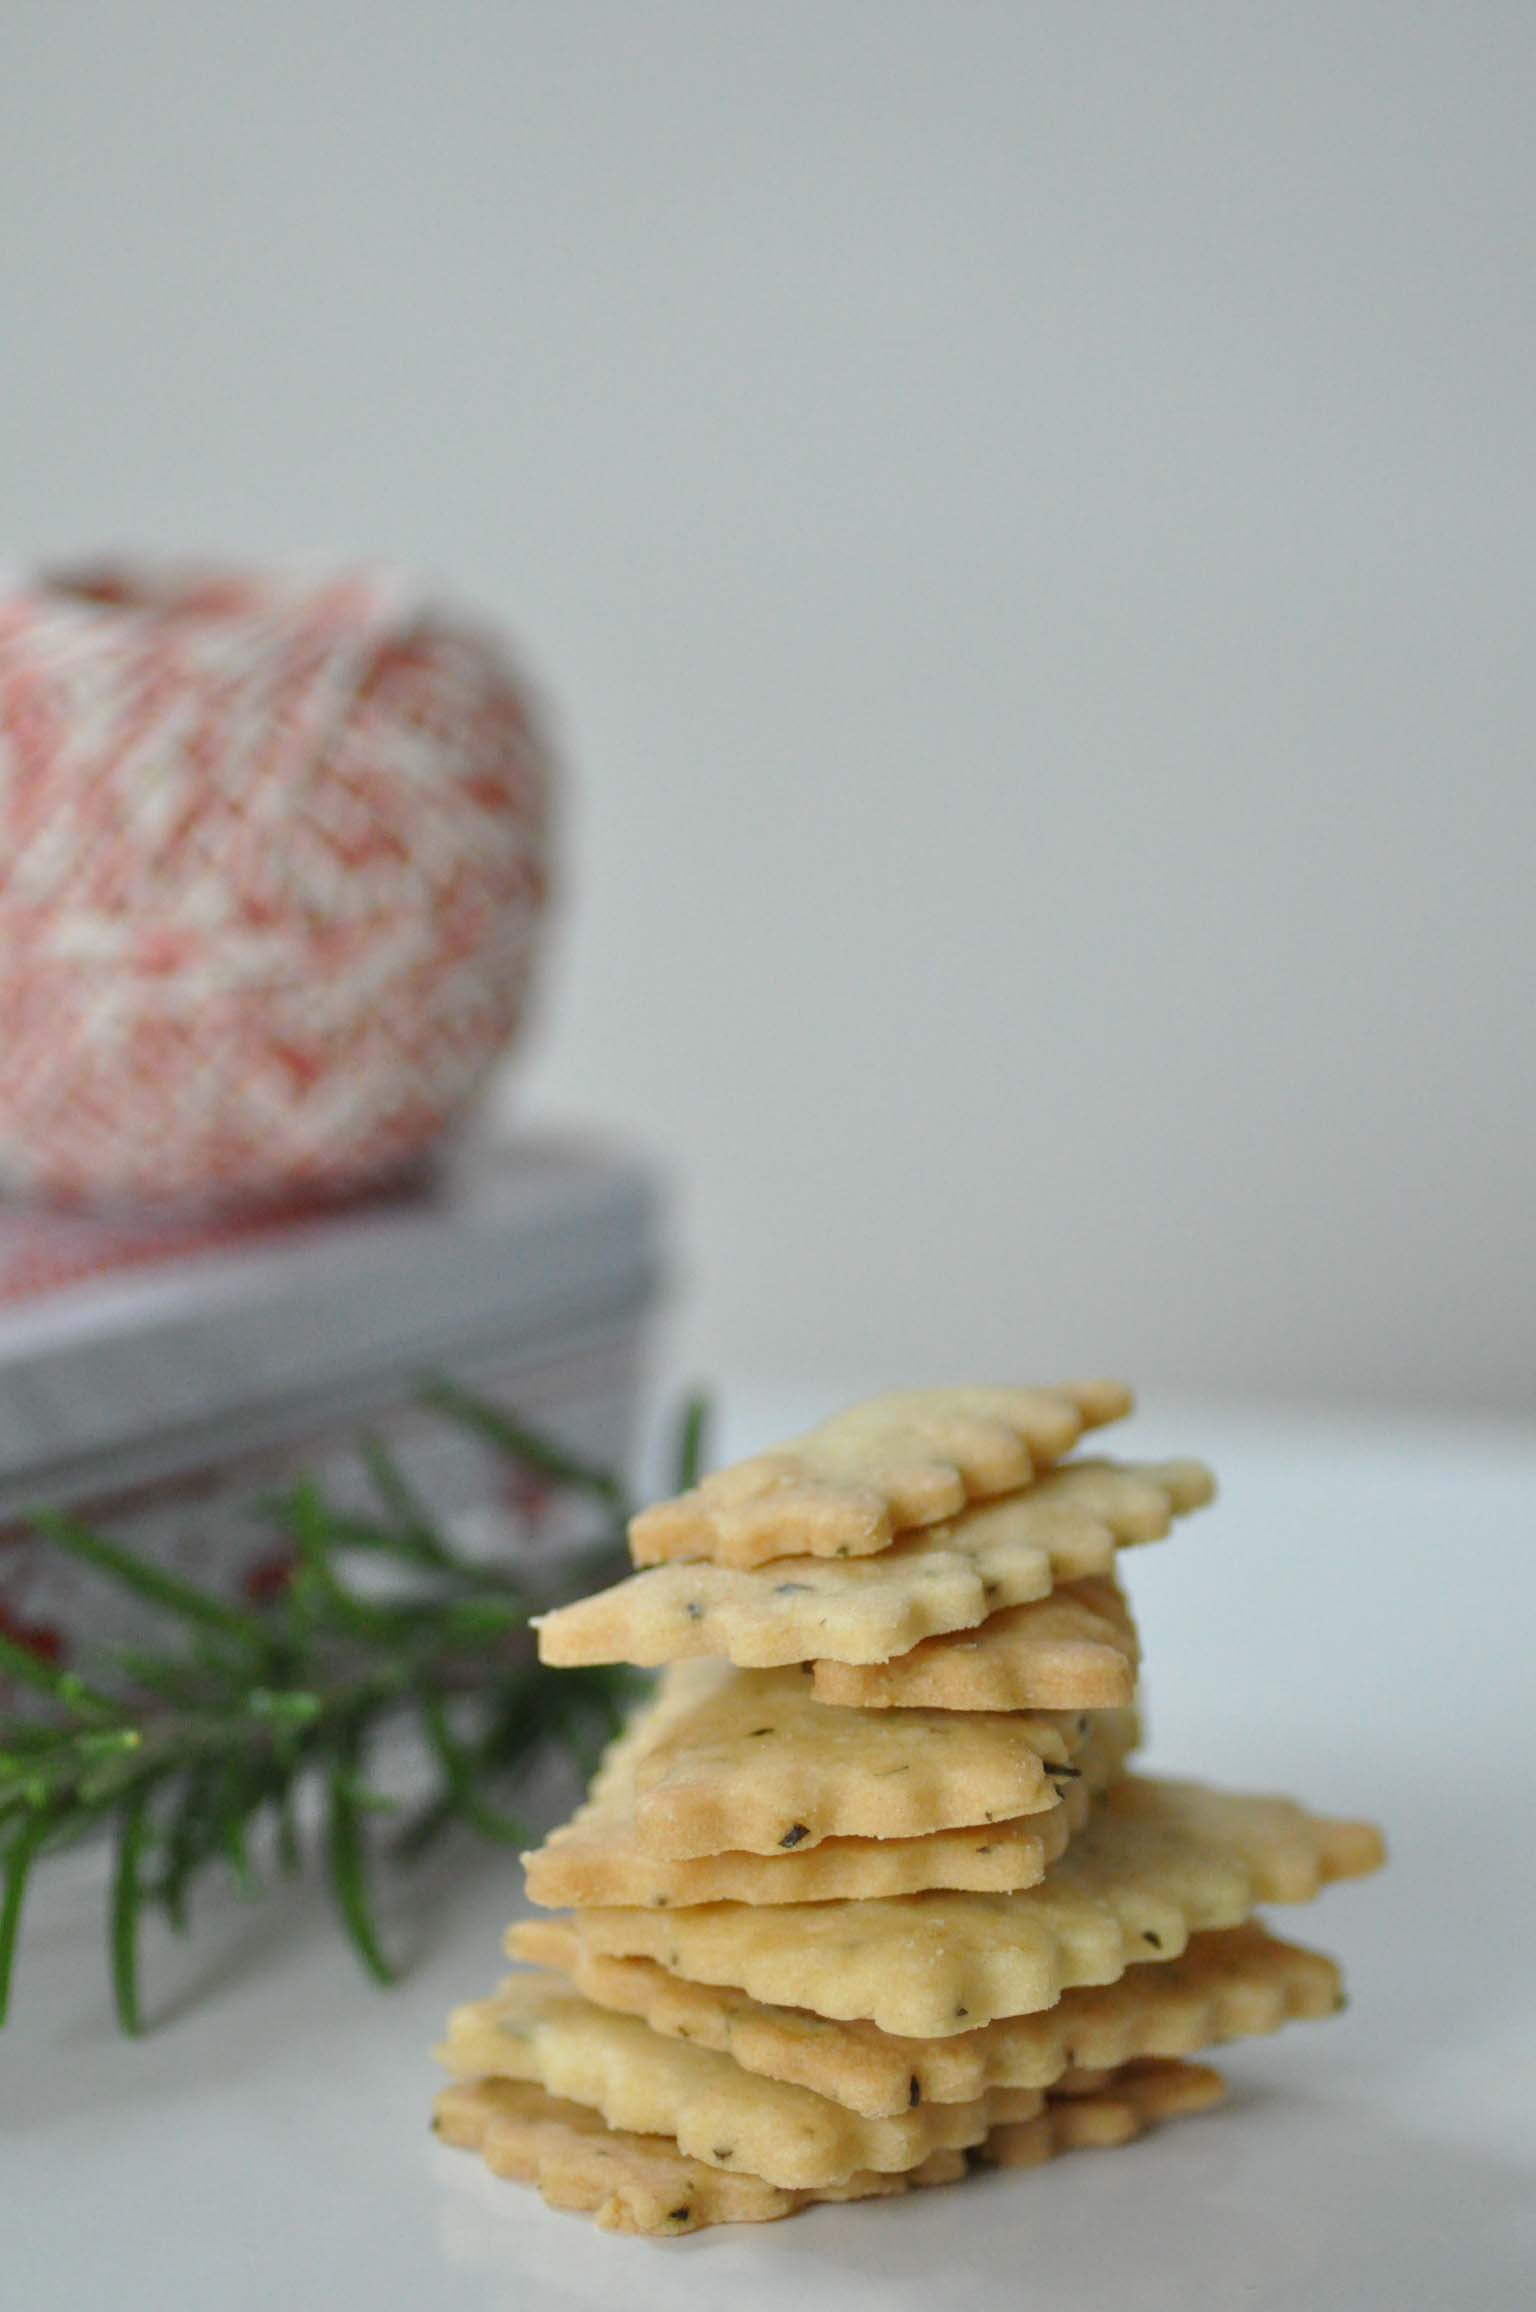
[881,1468]
[1158,1862]
[1234,1983]
[644,2184]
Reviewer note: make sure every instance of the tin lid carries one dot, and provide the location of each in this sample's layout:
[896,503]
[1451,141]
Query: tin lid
[128,1349]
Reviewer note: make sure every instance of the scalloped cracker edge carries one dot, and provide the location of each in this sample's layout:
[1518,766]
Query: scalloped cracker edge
[1235,1983]
[1075,1650]
[644,2184]
[537,2027]
[599,1856]
[736,1760]
[1159,1862]
[878,1469]
[1066,1529]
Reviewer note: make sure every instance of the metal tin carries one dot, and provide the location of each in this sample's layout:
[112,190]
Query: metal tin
[158,1380]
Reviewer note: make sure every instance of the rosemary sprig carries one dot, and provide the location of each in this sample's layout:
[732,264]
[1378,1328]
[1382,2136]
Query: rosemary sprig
[536,1452]
[692,1440]
[190,1753]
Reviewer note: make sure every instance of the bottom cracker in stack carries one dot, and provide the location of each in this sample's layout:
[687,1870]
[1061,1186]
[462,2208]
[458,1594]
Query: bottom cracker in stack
[643,2183]
[874,1899]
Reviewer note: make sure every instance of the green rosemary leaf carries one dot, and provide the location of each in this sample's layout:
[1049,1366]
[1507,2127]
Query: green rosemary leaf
[222,1673]
[149,1581]
[423,1830]
[413,1528]
[61,1686]
[584,1729]
[536,1452]
[185,1842]
[612,1694]
[514,1718]
[291,1708]
[71,1826]
[317,1585]
[474,1622]
[692,1441]
[591,1565]
[232,1839]
[126,1910]
[188,1748]
[21,1853]
[179,1682]
[346,1852]
[106,1765]
[370,1801]
[460,1780]
[290,1851]
[345,1529]
[514,1728]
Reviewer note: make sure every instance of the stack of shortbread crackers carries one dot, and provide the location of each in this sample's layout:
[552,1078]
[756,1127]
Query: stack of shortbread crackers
[867,1895]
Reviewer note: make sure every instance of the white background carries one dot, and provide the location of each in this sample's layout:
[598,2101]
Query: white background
[1027,514]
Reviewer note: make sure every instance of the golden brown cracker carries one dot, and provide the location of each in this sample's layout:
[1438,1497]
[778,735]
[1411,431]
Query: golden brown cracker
[733,1760]
[537,2027]
[1295,1852]
[949,1577]
[1074,1650]
[880,1468]
[1234,1983]
[861,1609]
[631,2183]
[1124,2106]
[599,1857]
[1158,1862]
[645,2185]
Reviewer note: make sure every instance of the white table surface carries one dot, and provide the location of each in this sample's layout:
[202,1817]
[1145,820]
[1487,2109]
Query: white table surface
[1354,1622]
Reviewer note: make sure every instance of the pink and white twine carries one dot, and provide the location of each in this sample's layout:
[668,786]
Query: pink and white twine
[273,865]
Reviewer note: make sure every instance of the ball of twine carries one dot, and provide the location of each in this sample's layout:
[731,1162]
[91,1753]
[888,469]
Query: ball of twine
[273,868]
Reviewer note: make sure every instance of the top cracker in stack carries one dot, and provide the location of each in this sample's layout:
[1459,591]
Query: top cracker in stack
[866,1891]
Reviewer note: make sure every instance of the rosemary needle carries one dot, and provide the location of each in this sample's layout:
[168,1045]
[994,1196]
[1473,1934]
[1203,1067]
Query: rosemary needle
[190,1749]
